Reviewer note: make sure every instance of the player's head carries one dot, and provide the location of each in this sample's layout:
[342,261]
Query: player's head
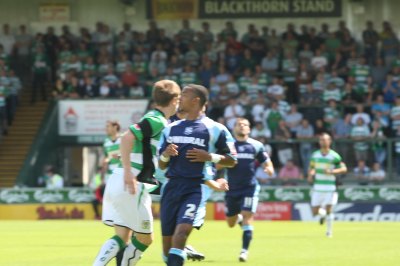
[242,127]
[325,141]
[193,97]
[112,127]
[166,95]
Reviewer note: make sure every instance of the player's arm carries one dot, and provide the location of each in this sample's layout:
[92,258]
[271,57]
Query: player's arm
[311,172]
[268,168]
[165,156]
[198,155]
[225,155]
[166,150]
[340,169]
[264,159]
[127,142]
[217,186]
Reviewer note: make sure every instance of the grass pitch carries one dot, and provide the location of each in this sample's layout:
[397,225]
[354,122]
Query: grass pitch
[73,243]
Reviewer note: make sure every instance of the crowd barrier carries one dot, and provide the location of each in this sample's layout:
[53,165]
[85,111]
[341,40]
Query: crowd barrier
[356,203]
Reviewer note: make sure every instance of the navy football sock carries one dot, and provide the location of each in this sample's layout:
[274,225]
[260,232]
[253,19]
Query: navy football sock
[247,236]
[176,257]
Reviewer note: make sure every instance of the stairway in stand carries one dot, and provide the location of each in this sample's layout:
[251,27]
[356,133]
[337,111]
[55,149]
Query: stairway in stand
[16,145]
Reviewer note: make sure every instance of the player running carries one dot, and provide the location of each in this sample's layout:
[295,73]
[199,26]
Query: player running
[189,148]
[325,163]
[127,203]
[242,198]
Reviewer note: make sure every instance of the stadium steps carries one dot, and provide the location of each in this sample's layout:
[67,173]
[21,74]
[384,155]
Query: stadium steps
[15,146]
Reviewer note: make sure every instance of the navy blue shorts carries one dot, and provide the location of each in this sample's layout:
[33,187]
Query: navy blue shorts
[245,199]
[179,205]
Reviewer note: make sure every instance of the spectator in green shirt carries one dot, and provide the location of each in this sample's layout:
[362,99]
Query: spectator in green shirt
[40,72]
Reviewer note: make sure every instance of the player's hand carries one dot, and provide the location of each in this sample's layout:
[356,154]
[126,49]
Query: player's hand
[219,185]
[269,170]
[171,150]
[328,171]
[223,184]
[197,156]
[223,187]
[130,182]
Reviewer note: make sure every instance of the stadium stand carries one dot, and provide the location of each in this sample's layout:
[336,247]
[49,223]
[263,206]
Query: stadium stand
[291,85]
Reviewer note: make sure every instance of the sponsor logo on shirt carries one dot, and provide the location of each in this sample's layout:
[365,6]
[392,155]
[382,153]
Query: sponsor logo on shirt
[188,131]
[245,156]
[187,140]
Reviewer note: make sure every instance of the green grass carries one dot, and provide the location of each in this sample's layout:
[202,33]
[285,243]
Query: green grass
[73,243]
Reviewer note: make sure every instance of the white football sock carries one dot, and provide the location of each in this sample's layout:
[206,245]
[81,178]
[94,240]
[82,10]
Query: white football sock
[329,223]
[322,212]
[239,218]
[133,252]
[131,255]
[108,251]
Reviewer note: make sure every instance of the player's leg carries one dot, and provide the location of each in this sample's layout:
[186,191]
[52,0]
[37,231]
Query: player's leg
[191,252]
[167,244]
[316,203]
[177,254]
[248,208]
[233,209]
[332,201]
[184,225]
[112,217]
[112,246]
[168,214]
[247,235]
[141,221]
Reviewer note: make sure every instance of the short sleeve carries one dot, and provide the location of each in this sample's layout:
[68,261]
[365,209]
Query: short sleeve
[147,128]
[163,140]
[337,161]
[262,156]
[225,144]
[312,162]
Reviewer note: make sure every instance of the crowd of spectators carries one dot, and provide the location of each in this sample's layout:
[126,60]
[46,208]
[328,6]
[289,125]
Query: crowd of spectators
[292,85]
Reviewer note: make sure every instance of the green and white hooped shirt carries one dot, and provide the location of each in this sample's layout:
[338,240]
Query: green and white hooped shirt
[111,149]
[320,162]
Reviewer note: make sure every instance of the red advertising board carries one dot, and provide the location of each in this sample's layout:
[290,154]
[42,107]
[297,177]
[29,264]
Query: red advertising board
[276,211]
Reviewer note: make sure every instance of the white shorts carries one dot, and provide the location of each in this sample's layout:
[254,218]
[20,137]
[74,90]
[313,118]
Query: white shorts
[124,209]
[324,198]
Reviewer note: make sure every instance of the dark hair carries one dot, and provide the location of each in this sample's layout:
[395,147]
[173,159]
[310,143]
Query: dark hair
[200,92]
[115,123]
